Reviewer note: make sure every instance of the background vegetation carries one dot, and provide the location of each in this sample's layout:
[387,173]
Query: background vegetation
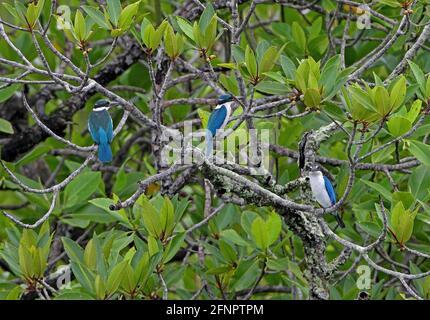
[336,83]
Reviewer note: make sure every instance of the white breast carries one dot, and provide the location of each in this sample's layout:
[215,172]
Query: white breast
[227,117]
[318,190]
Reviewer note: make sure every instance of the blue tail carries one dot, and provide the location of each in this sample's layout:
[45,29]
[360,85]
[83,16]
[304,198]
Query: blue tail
[105,152]
[209,144]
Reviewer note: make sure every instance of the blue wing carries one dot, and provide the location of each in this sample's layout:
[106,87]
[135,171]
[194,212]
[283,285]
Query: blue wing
[109,131]
[330,190]
[92,128]
[100,120]
[216,119]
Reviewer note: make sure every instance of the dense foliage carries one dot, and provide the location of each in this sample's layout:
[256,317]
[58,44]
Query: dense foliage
[340,83]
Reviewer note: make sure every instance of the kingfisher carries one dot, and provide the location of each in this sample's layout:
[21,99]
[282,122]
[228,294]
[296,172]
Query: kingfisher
[101,129]
[323,192]
[218,120]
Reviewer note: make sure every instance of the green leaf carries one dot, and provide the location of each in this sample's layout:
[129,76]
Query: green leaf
[6,126]
[414,111]
[312,98]
[305,77]
[318,45]
[127,15]
[11,10]
[380,189]
[33,12]
[278,264]
[421,151]
[79,26]
[361,97]
[371,228]
[100,287]
[8,92]
[204,117]
[210,33]
[151,218]
[173,44]
[428,92]
[186,27]
[84,276]
[158,35]
[238,54]
[120,215]
[20,10]
[245,274]
[262,47]
[268,59]
[398,126]
[227,251]
[90,255]
[419,182]
[26,261]
[402,222]
[274,227]
[251,63]
[97,16]
[259,233]
[114,10]
[81,188]
[328,74]
[232,236]
[147,30]
[381,100]
[173,247]
[398,93]
[167,217]
[198,36]
[272,87]
[206,17]
[419,76]
[73,250]
[153,247]
[219,270]
[299,36]
[288,67]
[115,277]
[128,282]
[405,197]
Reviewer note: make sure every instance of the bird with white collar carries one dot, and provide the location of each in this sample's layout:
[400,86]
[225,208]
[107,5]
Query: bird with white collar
[323,192]
[101,128]
[218,120]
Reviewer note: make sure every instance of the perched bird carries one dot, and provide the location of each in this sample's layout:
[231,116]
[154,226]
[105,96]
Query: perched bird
[323,192]
[218,120]
[101,129]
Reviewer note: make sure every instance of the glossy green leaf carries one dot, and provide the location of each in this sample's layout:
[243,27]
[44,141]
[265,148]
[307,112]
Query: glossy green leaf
[251,63]
[402,222]
[6,126]
[127,15]
[97,17]
[398,93]
[421,151]
[398,125]
[312,98]
[259,233]
[79,26]
[114,11]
